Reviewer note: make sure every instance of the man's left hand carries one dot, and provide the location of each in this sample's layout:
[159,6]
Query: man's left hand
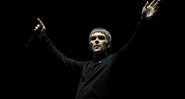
[149,10]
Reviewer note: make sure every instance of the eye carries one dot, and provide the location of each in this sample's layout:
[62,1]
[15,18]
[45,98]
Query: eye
[93,38]
[101,37]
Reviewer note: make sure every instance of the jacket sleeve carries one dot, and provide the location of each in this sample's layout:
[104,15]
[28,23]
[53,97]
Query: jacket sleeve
[76,65]
[124,48]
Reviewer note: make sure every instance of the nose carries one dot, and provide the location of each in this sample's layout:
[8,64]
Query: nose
[97,41]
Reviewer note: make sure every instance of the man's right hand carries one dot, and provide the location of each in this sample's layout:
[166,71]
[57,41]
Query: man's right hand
[40,27]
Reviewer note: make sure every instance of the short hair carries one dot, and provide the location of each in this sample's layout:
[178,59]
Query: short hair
[102,30]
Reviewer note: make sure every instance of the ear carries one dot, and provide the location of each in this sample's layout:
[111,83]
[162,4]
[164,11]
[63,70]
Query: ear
[108,45]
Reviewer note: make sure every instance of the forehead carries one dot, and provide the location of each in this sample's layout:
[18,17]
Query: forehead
[98,34]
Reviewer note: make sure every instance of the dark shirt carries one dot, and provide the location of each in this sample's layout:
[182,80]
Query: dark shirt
[96,75]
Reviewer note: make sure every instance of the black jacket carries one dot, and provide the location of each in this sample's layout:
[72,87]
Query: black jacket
[97,76]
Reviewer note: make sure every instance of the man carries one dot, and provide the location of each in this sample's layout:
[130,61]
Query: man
[96,75]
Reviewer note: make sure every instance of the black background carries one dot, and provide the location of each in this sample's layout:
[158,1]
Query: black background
[156,52]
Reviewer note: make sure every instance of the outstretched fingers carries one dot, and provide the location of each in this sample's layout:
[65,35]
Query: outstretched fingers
[146,4]
[155,6]
[152,3]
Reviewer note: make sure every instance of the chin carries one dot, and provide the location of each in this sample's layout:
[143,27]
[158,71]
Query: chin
[97,51]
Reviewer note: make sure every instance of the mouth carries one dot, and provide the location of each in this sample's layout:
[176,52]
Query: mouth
[96,46]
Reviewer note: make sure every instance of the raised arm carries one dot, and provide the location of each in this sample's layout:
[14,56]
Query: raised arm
[148,11]
[40,30]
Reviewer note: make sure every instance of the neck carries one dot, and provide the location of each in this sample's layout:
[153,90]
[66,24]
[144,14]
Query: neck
[99,56]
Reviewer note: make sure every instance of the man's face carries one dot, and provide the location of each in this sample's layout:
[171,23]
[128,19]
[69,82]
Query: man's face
[98,42]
